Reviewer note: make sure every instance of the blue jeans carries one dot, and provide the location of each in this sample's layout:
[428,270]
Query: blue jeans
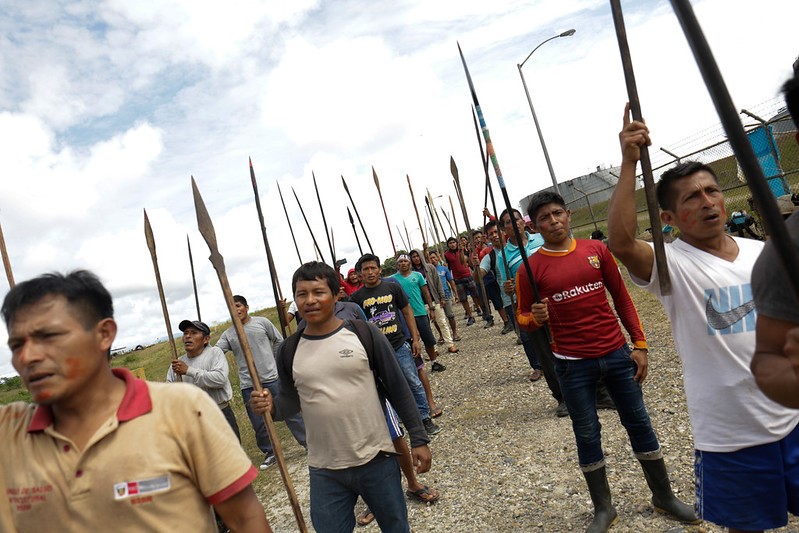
[378,482]
[578,382]
[408,367]
[295,422]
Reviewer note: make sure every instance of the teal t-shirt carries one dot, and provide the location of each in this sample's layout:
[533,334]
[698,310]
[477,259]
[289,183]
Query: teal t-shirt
[412,285]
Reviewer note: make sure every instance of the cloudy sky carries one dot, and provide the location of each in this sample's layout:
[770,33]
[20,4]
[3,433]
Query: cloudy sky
[108,107]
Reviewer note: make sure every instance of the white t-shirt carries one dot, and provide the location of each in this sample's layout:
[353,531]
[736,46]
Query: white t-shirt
[713,323]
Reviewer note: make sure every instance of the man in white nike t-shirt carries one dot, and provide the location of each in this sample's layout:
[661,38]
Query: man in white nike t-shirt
[747,460]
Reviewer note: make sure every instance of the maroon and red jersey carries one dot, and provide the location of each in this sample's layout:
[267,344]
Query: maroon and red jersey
[580,317]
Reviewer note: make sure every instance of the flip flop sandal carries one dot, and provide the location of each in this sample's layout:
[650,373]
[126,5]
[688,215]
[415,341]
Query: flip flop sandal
[437,412]
[424,495]
[365,517]
[457,339]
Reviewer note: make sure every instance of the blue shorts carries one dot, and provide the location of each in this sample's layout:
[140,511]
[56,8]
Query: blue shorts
[394,428]
[750,489]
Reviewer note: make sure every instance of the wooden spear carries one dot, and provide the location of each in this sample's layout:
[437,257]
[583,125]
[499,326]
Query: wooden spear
[454,218]
[449,222]
[206,227]
[352,223]
[454,170]
[194,280]
[646,165]
[535,336]
[402,239]
[369,244]
[148,234]
[308,224]
[6,261]
[281,315]
[324,219]
[388,226]
[293,239]
[410,244]
[761,192]
[432,222]
[415,210]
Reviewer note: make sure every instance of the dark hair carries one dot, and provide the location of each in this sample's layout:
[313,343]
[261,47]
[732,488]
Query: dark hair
[664,189]
[477,232]
[316,270]
[365,258]
[452,239]
[505,212]
[82,289]
[540,199]
[490,224]
[791,91]
[238,298]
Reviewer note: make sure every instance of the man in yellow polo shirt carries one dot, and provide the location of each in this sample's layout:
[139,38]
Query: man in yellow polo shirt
[99,449]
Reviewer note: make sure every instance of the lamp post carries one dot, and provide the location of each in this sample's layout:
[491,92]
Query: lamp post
[567,33]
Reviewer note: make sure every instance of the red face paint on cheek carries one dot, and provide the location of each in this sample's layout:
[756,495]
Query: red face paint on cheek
[74,367]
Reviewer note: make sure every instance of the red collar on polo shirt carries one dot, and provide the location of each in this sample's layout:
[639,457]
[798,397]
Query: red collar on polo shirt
[135,402]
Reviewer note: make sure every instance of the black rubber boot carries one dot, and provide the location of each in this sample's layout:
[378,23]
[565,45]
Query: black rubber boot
[663,498]
[604,513]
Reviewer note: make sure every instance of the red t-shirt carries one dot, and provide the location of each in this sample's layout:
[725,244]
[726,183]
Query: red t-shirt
[582,322]
[459,270]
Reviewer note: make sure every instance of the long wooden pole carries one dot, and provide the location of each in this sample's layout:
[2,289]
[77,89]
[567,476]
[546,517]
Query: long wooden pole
[293,239]
[6,261]
[324,219]
[308,224]
[454,218]
[454,170]
[206,227]
[148,234]
[281,315]
[415,210]
[498,172]
[365,235]
[646,165]
[385,214]
[354,232]
[194,280]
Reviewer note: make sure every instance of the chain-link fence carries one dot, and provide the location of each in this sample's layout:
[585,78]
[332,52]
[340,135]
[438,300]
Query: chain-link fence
[772,134]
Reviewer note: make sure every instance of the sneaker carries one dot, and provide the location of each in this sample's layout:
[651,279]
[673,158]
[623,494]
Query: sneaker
[536,374]
[508,328]
[561,411]
[431,427]
[437,367]
[269,460]
[488,324]
[470,321]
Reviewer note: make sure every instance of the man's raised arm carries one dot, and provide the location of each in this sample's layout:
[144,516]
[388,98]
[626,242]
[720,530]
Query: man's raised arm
[636,254]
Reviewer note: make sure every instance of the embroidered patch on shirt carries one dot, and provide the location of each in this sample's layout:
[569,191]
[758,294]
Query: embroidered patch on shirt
[593,260]
[346,353]
[127,489]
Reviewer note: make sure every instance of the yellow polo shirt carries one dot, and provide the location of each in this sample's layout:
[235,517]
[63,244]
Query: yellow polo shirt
[157,465]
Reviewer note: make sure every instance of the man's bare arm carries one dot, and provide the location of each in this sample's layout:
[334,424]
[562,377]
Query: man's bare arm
[636,254]
[775,364]
[243,512]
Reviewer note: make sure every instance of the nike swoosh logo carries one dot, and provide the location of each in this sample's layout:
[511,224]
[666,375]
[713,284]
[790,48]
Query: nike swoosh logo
[719,320]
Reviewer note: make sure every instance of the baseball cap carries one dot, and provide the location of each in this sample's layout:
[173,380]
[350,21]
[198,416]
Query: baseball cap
[196,324]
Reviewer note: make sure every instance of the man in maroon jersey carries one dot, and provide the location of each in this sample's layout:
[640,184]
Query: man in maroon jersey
[589,346]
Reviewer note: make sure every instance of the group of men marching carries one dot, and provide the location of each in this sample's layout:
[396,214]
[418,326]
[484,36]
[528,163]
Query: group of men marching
[99,446]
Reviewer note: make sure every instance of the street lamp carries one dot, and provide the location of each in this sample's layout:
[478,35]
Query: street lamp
[567,33]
